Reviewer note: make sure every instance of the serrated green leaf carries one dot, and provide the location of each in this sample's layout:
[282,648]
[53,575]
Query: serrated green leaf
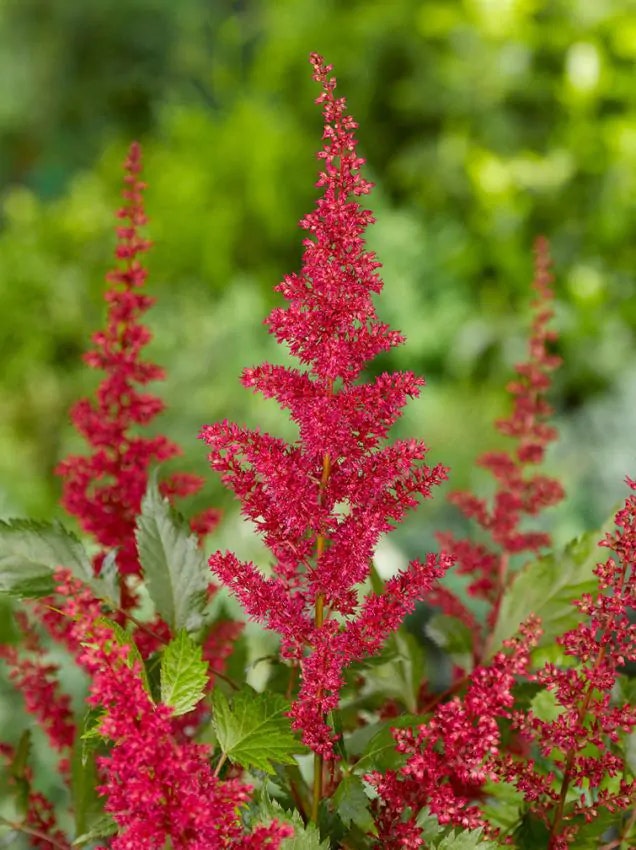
[103,827]
[466,840]
[352,804]
[430,829]
[30,552]
[304,838]
[176,570]
[548,587]
[90,731]
[106,584]
[254,730]
[184,674]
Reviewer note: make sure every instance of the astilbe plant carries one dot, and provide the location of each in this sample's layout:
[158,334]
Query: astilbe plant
[104,489]
[529,744]
[520,490]
[590,773]
[448,757]
[322,502]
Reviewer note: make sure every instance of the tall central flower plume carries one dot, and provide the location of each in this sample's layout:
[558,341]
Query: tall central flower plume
[322,502]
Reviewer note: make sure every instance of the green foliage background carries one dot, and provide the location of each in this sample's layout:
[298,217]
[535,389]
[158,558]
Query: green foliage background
[484,122]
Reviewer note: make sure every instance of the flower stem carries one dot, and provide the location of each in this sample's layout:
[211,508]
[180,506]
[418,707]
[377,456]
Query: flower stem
[35,833]
[319,618]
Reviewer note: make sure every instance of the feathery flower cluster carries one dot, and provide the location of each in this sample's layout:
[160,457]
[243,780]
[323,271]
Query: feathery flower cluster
[520,491]
[36,677]
[451,756]
[40,823]
[580,741]
[322,503]
[104,490]
[156,787]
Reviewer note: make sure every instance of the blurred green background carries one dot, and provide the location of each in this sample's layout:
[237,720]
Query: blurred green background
[484,122]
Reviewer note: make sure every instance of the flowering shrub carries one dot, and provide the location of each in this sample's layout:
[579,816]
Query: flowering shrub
[349,743]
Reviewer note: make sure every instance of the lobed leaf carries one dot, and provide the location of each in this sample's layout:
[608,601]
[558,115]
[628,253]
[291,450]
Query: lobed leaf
[352,804]
[253,730]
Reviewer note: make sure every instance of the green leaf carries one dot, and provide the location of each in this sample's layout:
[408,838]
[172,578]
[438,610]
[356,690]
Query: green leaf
[544,705]
[378,751]
[9,631]
[304,838]
[400,677]
[31,551]
[88,806]
[21,753]
[548,587]
[454,637]
[18,770]
[589,836]
[184,674]
[253,730]
[502,805]
[175,568]
[103,827]
[465,840]
[531,833]
[352,804]
[430,828]
[106,584]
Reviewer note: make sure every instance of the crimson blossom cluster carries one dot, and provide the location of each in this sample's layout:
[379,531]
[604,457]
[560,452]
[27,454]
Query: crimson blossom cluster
[322,502]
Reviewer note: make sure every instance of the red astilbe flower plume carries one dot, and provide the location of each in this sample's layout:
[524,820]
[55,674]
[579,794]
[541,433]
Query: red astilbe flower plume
[104,489]
[322,502]
[521,491]
[451,756]
[591,718]
[37,678]
[157,788]
[39,823]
